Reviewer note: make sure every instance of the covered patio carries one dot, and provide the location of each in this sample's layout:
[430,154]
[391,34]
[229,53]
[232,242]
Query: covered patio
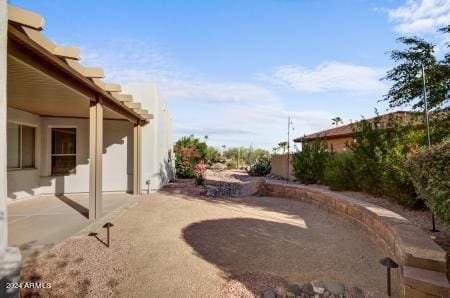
[36,225]
[62,120]
[67,133]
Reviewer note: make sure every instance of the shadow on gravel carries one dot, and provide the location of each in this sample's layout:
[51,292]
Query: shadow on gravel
[263,248]
[239,245]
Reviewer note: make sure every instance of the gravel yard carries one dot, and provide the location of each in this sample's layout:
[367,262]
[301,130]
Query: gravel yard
[179,243]
[420,218]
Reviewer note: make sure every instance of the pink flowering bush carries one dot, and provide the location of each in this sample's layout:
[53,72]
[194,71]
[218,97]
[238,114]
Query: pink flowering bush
[199,171]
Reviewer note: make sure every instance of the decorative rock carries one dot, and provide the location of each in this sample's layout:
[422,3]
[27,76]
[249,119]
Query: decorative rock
[294,289]
[318,286]
[290,295]
[308,289]
[281,292]
[355,292]
[270,294]
[335,288]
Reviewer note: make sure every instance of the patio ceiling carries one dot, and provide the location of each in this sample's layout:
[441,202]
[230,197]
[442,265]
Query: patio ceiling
[36,92]
[46,79]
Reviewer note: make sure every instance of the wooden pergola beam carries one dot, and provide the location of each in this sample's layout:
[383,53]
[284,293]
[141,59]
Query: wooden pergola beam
[66,73]
[25,17]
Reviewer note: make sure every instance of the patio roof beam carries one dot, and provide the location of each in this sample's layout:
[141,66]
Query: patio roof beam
[25,17]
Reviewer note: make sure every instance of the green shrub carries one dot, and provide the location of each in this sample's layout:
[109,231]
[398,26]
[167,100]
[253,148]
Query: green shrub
[199,180]
[339,172]
[212,156]
[231,164]
[309,163]
[380,151]
[430,173]
[261,167]
[184,168]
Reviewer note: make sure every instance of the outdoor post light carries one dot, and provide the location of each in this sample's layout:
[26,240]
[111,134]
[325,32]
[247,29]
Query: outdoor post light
[427,125]
[107,226]
[388,263]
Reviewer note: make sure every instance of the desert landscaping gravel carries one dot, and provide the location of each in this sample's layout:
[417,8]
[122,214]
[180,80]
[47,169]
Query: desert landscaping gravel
[179,243]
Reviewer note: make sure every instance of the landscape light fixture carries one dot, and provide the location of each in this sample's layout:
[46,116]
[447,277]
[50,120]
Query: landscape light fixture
[107,226]
[427,125]
[388,263]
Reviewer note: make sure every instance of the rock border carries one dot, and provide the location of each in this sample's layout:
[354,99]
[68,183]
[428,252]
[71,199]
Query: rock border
[423,264]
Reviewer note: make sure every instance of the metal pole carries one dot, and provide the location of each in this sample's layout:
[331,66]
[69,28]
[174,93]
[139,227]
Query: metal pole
[427,125]
[427,119]
[288,147]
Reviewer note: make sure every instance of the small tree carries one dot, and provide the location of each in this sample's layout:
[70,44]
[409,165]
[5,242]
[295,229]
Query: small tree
[407,80]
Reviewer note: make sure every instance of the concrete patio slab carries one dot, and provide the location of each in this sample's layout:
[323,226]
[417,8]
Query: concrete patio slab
[37,224]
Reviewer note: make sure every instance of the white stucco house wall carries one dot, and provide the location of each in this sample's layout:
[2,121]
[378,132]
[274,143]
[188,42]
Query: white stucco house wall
[63,130]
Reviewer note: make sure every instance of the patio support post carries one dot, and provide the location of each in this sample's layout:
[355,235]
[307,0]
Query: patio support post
[137,148]
[95,156]
[10,257]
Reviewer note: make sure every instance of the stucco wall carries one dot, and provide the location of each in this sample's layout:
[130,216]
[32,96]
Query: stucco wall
[117,157]
[339,145]
[156,137]
[280,166]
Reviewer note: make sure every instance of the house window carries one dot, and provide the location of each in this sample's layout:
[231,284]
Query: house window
[20,146]
[64,151]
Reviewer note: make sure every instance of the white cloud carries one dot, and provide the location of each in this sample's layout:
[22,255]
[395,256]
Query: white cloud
[423,16]
[331,76]
[242,113]
[138,62]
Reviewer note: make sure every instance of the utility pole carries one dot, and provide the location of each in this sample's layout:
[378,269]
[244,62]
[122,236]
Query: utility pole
[288,147]
[427,125]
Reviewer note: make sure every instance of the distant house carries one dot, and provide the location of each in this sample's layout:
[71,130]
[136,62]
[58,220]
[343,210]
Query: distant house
[339,138]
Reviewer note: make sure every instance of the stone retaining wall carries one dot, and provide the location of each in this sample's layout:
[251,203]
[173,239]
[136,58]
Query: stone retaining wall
[423,264]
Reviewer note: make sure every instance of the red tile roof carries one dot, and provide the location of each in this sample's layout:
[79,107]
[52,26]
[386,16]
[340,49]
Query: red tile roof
[347,130]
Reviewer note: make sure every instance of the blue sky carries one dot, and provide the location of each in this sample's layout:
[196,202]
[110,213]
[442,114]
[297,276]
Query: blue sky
[235,70]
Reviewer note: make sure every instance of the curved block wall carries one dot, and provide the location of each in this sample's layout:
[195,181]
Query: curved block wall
[423,264]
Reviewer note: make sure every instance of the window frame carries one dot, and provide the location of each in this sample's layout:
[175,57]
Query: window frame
[20,168]
[62,154]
